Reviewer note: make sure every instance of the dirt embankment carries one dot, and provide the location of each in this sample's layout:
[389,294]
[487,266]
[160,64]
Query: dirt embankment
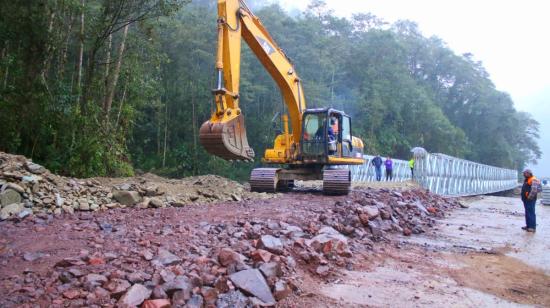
[26,188]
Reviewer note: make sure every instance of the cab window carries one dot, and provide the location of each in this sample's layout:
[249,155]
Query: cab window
[314,126]
[346,128]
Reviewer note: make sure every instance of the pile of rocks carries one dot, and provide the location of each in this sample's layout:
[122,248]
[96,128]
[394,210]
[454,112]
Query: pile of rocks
[246,262]
[27,188]
[374,213]
[255,267]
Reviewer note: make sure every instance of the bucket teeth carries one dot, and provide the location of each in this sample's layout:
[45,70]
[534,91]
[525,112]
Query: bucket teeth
[226,140]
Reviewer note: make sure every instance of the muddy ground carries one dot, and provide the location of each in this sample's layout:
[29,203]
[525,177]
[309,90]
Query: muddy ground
[476,256]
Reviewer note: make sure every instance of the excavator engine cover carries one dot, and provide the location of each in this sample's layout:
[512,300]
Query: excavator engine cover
[226,139]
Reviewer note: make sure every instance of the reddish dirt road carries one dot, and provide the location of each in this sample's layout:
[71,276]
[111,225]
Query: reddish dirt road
[92,258]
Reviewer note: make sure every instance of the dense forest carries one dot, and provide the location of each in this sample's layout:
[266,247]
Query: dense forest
[107,87]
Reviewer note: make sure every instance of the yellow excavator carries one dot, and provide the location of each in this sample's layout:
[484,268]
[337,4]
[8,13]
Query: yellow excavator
[311,145]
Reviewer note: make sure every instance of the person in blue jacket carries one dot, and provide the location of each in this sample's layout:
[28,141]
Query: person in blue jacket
[377,163]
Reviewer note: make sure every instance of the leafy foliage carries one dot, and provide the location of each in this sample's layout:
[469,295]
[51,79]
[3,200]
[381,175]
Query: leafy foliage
[402,89]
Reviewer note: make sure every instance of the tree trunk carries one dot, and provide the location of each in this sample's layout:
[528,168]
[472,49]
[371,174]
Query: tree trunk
[49,49]
[120,105]
[107,65]
[196,158]
[64,50]
[5,54]
[165,134]
[80,53]
[159,125]
[6,77]
[112,82]
[90,70]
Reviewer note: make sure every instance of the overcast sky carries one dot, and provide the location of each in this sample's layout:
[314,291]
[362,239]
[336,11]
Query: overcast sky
[511,38]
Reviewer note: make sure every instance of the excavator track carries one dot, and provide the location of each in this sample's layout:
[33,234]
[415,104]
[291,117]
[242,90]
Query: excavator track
[264,180]
[336,181]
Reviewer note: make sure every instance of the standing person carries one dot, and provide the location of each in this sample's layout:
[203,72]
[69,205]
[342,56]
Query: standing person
[529,192]
[411,165]
[377,163]
[389,169]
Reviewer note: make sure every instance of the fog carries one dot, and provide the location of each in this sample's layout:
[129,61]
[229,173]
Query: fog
[516,55]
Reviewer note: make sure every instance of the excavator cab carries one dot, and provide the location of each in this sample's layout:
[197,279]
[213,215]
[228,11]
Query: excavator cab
[326,136]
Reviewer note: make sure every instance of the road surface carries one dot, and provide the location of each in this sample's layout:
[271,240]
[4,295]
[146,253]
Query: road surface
[477,257]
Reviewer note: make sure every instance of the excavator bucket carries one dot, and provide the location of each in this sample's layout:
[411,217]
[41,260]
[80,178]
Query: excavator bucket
[227,139]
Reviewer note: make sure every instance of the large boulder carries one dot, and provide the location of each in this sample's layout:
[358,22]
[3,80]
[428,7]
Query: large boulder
[11,210]
[166,258]
[127,197]
[136,295]
[9,196]
[271,269]
[34,168]
[271,244]
[117,287]
[228,256]
[180,284]
[329,241]
[252,282]
[371,211]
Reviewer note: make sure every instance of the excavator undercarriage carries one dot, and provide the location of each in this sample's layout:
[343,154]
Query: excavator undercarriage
[335,181]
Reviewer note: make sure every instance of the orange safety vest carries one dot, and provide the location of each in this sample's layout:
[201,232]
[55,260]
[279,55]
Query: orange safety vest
[530,183]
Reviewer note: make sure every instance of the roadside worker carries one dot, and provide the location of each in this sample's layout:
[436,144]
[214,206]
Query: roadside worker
[331,132]
[389,169]
[334,125]
[377,163]
[411,165]
[529,192]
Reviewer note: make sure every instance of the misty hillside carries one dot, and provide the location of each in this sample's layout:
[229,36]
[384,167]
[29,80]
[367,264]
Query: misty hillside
[127,89]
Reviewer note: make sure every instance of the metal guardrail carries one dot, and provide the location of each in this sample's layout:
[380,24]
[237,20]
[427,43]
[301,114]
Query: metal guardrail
[444,175]
[367,172]
[451,176]
[546,194]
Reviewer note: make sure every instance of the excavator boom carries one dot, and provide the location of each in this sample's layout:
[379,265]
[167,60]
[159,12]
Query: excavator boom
[224,134]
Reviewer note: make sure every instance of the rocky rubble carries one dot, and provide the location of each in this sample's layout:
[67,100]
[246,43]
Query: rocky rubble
[27,188]
[378,212]
[142,258]
[158,257]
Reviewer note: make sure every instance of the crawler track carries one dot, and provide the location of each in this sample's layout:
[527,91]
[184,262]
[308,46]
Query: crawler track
[264,180]
[336,181]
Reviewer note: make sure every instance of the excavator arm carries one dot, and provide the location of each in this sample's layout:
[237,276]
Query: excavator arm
[224,134]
